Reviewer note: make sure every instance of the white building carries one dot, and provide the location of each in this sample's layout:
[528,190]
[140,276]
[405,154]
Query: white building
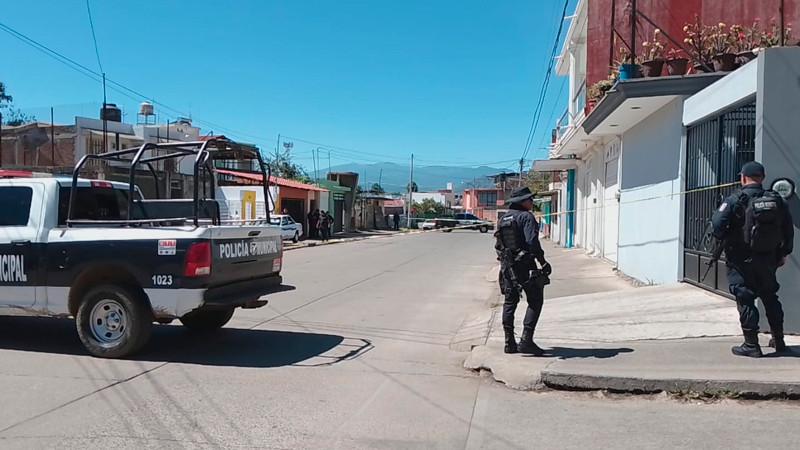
[641,173]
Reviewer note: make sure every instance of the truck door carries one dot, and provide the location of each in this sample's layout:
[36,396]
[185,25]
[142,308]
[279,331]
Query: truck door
[20,222]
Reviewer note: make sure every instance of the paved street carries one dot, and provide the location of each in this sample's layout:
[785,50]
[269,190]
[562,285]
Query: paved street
[366,352]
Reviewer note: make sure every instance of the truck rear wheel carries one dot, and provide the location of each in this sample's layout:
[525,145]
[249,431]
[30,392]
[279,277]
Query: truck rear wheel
[113,321]
[204,321]
[484,229]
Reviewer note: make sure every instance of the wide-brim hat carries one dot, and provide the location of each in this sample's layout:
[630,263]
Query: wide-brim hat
[520,194]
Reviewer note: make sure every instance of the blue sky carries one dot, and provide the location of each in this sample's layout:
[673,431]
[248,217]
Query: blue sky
[455,82]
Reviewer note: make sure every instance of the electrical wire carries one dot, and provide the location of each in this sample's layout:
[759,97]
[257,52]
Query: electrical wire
[94,37]
[545,84]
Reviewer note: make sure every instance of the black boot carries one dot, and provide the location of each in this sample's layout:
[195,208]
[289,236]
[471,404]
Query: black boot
[526,344]
[511,344]
[777,342]
[750,346]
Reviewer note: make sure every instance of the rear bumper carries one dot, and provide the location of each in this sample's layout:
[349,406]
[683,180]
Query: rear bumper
[241,293]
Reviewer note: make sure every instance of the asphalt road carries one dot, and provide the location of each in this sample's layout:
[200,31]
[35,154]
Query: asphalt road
[366,352]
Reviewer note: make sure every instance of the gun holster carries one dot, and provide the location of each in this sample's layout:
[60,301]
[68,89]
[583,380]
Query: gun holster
[539,279]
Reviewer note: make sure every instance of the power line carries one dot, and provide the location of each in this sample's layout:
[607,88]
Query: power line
[118,87]
[555,108]
[94,38]
[545,84]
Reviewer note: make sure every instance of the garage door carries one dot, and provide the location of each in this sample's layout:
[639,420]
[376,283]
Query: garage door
[611,210]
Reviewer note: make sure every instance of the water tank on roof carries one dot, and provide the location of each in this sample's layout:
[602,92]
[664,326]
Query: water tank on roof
[146,109]
[111,113]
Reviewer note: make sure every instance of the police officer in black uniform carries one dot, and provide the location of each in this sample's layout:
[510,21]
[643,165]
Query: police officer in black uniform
[757,230]
[518,232]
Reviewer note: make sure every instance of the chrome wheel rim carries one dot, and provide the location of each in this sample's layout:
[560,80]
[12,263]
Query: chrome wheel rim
[108,321]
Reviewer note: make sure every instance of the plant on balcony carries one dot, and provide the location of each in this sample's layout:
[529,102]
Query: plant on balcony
[772,37]
[720,46]
[628,66]
[698,41]
[676,62]
[652,56]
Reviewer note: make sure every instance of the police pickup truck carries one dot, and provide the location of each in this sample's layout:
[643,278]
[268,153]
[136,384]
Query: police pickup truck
[86,249]
[464,221]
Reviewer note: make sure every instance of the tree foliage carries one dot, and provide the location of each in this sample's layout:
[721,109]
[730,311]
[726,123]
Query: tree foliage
[12,116]
[428,205]
[538,181]
[376,189]
[283,167]
[413,187]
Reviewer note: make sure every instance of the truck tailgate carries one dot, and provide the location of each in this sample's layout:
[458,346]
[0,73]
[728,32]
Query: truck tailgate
[244,253]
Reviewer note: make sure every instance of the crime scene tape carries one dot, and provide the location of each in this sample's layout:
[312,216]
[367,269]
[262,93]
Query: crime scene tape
[540,215]
[640,200]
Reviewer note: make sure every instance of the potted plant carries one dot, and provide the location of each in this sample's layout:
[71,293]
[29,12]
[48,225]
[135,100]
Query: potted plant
[653,56]
[720,46]
[628,66]
[744,41]
[676,64]
[697,39]
[772,37]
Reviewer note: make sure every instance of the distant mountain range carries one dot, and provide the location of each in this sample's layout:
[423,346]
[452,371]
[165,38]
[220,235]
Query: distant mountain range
[395,177]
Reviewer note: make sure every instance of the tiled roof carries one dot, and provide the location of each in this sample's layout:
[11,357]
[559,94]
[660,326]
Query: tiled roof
[274,180]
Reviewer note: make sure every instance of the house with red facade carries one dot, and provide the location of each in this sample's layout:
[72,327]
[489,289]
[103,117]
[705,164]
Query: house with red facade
[483,202]
[639,171]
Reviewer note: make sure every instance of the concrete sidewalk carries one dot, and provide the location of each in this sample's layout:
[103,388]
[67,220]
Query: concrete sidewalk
[339,238]
[604,334]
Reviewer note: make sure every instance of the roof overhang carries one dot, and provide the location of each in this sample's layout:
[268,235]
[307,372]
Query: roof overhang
[631,101]
[554,165]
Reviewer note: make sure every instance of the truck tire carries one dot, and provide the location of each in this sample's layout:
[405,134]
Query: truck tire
[448,230]
[113,321]
[204,321]
[296,238]
[484,229]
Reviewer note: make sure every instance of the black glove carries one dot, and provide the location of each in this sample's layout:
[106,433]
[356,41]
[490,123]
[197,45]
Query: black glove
[547,269]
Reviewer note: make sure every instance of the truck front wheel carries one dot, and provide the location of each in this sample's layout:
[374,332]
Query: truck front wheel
[113,321]
[204,321]
[484,229]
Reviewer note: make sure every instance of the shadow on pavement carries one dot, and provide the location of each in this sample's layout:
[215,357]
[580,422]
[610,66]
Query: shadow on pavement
[234,347]
[792,351]
[570,353]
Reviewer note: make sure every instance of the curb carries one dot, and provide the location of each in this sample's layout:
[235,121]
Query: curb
[743,388]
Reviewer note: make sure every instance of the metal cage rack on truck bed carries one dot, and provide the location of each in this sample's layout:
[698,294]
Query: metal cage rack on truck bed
[142,212]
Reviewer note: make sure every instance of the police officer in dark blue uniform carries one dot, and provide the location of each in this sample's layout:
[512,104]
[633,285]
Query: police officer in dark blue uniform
[518,235]
[758,234]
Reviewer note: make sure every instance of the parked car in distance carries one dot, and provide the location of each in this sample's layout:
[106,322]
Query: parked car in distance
[290,230]
[429,224]
[472,222]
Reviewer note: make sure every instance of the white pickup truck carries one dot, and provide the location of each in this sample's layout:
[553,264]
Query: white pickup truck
[117,274]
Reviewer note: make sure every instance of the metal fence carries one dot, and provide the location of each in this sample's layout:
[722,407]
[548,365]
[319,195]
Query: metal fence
[715,152]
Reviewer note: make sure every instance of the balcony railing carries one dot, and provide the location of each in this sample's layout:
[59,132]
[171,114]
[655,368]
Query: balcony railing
[567,121]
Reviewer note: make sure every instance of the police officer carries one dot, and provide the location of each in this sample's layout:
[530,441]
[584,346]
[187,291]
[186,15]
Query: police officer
[758,232]
[518,232]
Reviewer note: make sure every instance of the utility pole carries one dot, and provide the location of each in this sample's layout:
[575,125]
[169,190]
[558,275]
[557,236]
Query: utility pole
[380,176]
[410,193]
[105,118]
[521,162]
[52,138]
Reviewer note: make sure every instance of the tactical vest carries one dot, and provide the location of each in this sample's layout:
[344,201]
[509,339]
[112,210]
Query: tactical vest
[509,234]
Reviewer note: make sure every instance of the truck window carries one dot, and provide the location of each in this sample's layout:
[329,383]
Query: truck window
[15,206]
[94,203]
